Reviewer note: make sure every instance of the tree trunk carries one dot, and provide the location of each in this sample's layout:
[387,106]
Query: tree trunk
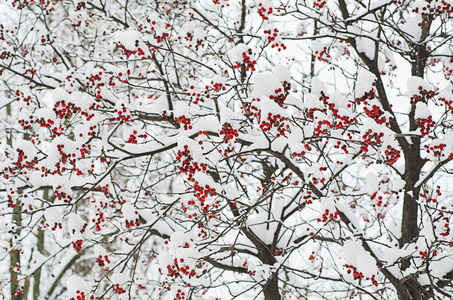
[270,289]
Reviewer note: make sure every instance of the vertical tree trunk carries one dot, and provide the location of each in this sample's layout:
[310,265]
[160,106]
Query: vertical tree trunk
[270,290]
[14,258]
[40,249]
[414,164]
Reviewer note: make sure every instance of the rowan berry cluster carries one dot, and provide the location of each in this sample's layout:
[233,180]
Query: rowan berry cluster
[228,132]
[341,145]
[118,289]
[132,223]
[370,138]
[274,121]
[180,295]
[65,110]
[80,5]
[339,122]
[247,61]
[272,39]
[133,137]
[188,166]
[448,103]
[102,260]
[60,195]
[425,125]
[218,86]
[280,94]
[322,55]
[448,68]
[179,267]
[122,114]
[439,8]
[189,37]
[376,114]
[359,275]
[77,245]
[81,296]
[27,124]
[392,155]
[23,161]
[264,12]
[423,95]
[137,51]
[436,149]
[328,215]
[446,227]
[185,121]
[319,3]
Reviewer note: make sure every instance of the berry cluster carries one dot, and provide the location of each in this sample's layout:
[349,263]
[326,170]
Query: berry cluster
[218,86]
[247,61]
[197,95]
[423,95]
[359,275]
[95,82]
[425,125]
[436,149]
[133,137]
[281,94]
[274,121]
[23,160]
[376,114]
[302,153]
[428,10]
[322,55]
[198,44]
[448,68]
[327,215]
[60,195]
[179,268]
[65,110]
[448,103]
[122,114]
[264,12]
[273,40]
[132,223]
[201,193]
[368,95]
[118,289]
[180,295]
[228,132]
[80,5]
[341,145]
[427,197]
[185,121]
[77,245]
[26,124]
[392,155]
[102,260]
[446,226]
[322,127]
[339,122]
[188,166]
[319,3]
[137,51]
[370,138]
[82,296]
